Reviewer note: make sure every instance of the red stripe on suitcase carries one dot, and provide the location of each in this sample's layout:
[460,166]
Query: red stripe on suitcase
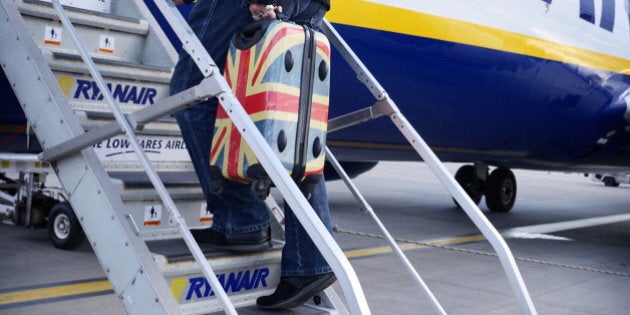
[219,142]
[272,44]
[264,104]
[324,48]
[272,101]
[282,102]
[235,136]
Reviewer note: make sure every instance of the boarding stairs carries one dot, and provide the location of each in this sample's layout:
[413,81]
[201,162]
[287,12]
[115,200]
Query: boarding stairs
[135,214]
[140,233]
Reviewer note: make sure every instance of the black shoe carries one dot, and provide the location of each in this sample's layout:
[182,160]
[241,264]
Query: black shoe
[294,291]
[240,242]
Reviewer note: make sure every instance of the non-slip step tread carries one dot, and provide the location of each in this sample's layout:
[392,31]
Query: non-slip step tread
[108,62]
[301,310]
[141,180]
[176,251]
[85,11]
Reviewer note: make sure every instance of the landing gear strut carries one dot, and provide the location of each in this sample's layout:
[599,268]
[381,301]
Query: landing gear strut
[499,187]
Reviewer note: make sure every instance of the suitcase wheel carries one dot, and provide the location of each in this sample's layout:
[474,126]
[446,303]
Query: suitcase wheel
[308,184]
[262,187]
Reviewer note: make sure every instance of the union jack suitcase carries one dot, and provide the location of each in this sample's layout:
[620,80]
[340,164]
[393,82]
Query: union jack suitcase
[279,71]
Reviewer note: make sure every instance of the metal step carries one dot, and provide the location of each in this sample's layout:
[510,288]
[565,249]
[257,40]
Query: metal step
[121,46]
[130,94]
[97,202]
[95,18]
[243,276]
[127,70]
[148,213]
[136,78]
[104,35]
[116,215]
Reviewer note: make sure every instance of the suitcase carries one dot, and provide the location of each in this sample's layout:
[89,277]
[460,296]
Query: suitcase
[279,71]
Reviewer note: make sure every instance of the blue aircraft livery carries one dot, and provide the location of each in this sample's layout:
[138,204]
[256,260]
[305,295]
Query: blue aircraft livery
[233,282]
[536,84]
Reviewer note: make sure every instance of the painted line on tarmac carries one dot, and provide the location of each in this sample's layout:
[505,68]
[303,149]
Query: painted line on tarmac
[54,293]
[373,251]
[19,297]
[542,229]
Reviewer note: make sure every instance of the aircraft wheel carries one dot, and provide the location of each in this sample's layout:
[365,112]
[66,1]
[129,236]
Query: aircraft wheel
[466,176]
[262,187]
[64,229]
[501,190]
[610,181]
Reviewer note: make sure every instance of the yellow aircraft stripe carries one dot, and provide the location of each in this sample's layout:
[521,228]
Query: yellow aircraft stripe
[104,286]
[371,15]
[54,292]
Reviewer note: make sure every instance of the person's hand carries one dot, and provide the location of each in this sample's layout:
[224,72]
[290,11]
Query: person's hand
[261,11]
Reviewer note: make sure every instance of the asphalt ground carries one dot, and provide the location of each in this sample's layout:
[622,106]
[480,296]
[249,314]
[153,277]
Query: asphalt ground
[570,237]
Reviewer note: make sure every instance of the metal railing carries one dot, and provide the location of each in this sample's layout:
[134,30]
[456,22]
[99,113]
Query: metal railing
[386,106]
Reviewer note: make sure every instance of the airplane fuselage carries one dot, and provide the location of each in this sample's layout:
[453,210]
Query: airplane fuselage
[520,83]
[534,83]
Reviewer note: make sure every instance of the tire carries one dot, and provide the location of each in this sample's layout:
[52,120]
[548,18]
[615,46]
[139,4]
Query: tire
[64,229]
[501,190]
[261,188]
[610,181]
[466,176]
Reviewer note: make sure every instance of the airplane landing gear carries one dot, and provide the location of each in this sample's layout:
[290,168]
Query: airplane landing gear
[499,187]
[500,190]
[472,183]
[64,229]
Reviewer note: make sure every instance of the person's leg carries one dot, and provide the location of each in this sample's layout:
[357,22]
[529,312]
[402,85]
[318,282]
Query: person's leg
[304,270]
[300,256]
[237,209]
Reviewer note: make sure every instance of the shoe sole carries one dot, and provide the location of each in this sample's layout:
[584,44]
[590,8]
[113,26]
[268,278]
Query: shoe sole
[303,295]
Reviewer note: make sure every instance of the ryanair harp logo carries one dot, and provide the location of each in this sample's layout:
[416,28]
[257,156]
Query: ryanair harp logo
[81,89]
[195,288]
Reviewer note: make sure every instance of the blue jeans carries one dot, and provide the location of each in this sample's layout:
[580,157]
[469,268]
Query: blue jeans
[237,209]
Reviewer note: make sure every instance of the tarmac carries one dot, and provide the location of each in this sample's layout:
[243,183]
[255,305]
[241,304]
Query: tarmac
[570,237]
